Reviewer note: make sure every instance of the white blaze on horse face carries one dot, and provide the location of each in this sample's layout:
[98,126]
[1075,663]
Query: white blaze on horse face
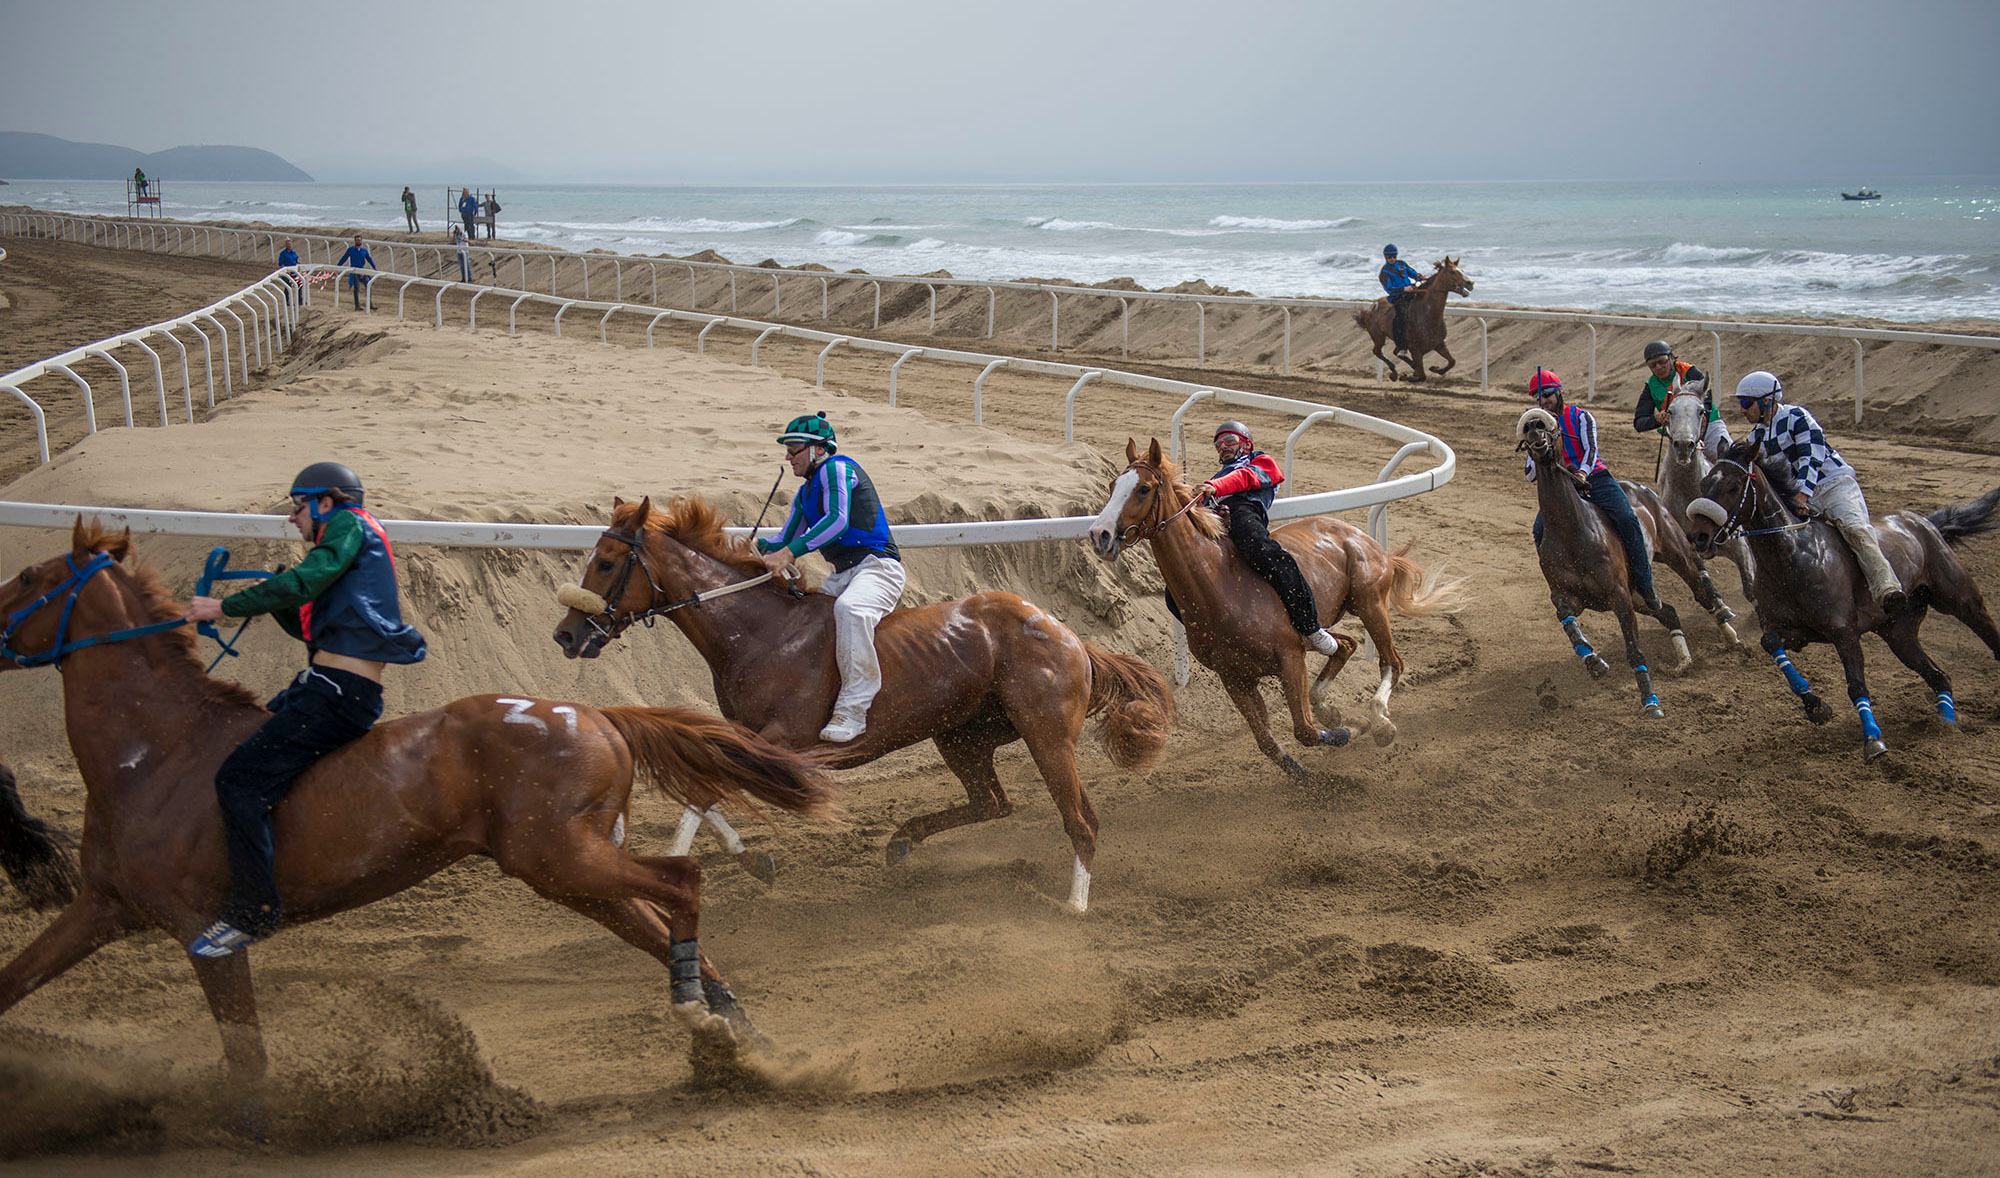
[1104,530]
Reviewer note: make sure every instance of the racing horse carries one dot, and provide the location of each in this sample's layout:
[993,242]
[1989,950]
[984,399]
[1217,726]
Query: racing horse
[970,675]
[540,787]
[1683,465]
[1810,588]
[1237,627]
[1423,322]
[34,856]
[1584,562]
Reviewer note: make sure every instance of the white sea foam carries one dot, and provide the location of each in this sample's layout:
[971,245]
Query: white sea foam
[1276,225]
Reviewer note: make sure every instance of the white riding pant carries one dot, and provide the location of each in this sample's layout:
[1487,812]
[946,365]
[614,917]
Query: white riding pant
[1715,440]
[862,596]
[1839,500]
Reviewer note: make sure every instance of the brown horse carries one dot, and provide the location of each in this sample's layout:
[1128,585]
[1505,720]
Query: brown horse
[1810,589]
[970,675]
[1423,320]
[1235,623]
[34,856]
[540,787]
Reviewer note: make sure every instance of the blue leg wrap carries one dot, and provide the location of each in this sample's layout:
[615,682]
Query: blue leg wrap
[1946,711]
[1646,685]
[684,971]
[1792,676]
[1575,633]
[1869,728]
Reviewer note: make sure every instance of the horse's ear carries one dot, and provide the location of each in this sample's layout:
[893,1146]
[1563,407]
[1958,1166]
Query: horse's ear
[617,502]
[81,537]
[119,547]
[1153,455]
[645,506]
[1131,451]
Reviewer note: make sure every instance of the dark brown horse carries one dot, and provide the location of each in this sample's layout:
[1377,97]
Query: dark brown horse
[1423,320]
[1585,566]
[1810,589]
[540,787]
[34,856]
[1237,627]
[970,675]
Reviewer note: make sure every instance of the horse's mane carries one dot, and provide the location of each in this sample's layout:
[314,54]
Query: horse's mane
[697,523]
[160,605]
[1205,522]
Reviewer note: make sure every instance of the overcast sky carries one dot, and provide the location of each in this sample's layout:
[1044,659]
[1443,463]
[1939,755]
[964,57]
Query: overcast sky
[900,91]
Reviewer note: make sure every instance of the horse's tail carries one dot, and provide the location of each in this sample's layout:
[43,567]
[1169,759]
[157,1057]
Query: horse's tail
[1959,522]
[34,855]
[1138,707]
[1414,592]
[699,760]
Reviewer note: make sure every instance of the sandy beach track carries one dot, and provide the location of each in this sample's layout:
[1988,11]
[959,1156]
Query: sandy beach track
[1538,935]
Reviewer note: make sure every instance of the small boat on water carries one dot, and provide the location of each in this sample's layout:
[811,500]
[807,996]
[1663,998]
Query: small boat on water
[1864,194]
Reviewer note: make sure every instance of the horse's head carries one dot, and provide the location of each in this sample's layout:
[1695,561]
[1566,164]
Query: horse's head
[1447,274]
[1536,429]
[608,598]
[47,604]
[1728,497]
[1687,413]
[1140,501]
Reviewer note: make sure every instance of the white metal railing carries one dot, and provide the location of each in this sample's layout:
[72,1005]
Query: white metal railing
[105,230]
[1374,496]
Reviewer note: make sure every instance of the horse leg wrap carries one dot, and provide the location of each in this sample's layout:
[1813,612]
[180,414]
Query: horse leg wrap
[1946,711]
[1792,676]
[1335,737]
[1576,639]
[1649,699]
[1869,729]
[684,972]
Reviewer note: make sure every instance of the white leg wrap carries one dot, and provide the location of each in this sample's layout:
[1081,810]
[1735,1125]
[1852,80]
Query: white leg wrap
[1079,888]
[731,842]
[684,834]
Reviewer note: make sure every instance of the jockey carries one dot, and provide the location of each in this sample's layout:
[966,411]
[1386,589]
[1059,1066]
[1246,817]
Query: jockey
[1246,485]
[1399,280]
[1825,481]
[1580,461]
[341,601]
[1669,377]
[838,515]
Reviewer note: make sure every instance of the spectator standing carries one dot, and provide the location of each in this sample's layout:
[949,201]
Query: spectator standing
[357,256]
[468,209]
[290,257]
[492,210]
[139,180]
[410,209]
[464,248]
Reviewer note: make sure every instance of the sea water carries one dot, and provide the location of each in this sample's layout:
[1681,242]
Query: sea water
[1928,250]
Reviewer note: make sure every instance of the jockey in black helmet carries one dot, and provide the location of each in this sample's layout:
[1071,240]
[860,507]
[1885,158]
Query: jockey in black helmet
[1246,485]
[341,600]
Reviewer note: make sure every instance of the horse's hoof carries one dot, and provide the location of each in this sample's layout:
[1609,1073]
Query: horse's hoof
[1654,712]
[253,1120]
[1335,737]
[1293,769]
[1597,666]
[759,864]
[1729,635]
[1817,711]
[899,849]
[1384,732]
[1873,748]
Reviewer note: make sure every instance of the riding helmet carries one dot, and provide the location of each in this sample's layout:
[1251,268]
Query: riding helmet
[1657,349]
[1544,381]
[1759,385]
[811,428]
[329,478]
[1388,251]
[1234,427]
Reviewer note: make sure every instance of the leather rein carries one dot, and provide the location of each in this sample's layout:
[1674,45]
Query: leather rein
[1146,529]
[635,557]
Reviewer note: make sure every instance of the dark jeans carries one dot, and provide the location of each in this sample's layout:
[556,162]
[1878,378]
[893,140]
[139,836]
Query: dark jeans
[355,282]
[1605,492]
[470,232]
[1249,530]
[411,217]
[322,710]
[1397,304]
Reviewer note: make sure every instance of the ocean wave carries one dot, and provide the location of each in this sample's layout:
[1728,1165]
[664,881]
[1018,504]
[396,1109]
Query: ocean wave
[1443,225]
[1274,224]
[840,237]
[1061,225]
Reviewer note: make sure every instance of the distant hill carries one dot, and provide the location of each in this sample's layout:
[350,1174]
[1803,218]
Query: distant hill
[45,157]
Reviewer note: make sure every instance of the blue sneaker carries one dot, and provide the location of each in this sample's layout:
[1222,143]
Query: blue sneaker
[220,939]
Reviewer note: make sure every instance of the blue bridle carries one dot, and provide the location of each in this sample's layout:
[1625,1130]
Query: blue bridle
[69,588]
[72,586]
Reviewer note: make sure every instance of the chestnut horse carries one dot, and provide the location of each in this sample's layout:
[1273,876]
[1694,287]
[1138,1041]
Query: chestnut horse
[540,787]
[1810,589]
[969,675]
[1237,627]
[1423,320]
[1585,566]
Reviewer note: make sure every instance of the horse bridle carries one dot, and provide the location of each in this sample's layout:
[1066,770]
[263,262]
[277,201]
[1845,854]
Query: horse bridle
[1146,529]
[607,623]
[69,588]
[1732,526]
